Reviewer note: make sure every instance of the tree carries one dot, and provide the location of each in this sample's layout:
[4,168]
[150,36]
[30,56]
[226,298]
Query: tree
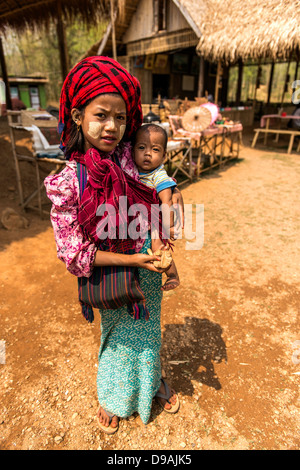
[36,52]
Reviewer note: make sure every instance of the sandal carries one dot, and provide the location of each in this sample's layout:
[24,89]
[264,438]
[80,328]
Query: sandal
[107,429]
[166,396]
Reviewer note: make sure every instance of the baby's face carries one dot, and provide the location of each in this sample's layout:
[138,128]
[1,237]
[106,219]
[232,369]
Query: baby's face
[149,150]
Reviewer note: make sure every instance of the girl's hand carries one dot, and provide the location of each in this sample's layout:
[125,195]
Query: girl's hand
[145,261]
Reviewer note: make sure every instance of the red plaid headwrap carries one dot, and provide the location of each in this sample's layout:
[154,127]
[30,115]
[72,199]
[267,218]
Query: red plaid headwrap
[94,76]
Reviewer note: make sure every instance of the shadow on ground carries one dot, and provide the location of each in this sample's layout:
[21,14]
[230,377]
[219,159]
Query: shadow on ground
[190,350]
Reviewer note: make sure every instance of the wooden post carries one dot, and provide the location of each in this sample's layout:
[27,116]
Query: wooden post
[201,77]
[224,88]
[5,76]
[17,166]
[113,32]
[104,40]
[62,42]
[217,82]
[267,127]
[239,84]
[257,82]
[107,34]
[285,83]
[296,70]
[270,82]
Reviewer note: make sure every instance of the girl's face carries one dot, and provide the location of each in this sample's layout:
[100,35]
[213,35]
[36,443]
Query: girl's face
[103,122]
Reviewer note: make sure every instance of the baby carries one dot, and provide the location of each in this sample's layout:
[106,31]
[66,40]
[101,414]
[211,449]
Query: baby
[149,152]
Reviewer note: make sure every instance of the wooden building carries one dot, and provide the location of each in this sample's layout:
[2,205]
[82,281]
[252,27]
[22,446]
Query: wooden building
[156,40]
[177,48]
[184,48]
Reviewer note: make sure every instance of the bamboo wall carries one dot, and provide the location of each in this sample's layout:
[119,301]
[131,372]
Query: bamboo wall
[141,25]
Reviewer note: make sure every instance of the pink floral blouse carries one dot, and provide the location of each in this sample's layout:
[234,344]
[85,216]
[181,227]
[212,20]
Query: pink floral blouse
[63,190]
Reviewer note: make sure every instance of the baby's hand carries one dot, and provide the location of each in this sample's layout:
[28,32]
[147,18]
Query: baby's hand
[174,233]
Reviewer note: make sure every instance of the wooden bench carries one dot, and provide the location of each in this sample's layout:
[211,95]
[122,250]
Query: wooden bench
[291,133]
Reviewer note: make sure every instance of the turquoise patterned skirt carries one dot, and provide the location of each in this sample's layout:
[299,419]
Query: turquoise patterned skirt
[129,369]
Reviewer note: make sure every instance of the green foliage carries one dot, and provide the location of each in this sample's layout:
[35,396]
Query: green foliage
[37,52]
[249,81]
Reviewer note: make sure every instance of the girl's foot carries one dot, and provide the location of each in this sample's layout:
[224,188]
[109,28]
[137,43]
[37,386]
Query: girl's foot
[108,422]
[167,398]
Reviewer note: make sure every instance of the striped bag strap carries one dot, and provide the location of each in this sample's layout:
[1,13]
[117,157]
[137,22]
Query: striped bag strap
[82,177]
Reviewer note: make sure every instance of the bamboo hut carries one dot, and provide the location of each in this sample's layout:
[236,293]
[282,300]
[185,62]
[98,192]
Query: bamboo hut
[235,32]
[222,33]
[155,29]
[213,34]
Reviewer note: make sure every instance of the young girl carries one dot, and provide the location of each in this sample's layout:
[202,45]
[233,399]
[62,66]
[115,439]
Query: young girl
[100,109]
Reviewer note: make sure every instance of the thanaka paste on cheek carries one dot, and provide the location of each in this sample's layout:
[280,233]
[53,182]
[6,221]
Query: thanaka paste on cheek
[122,130]
[94,130]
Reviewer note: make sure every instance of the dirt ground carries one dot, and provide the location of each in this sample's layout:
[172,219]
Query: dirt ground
[229,331]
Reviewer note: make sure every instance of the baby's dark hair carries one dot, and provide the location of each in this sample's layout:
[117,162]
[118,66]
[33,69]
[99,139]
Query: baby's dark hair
[155,127]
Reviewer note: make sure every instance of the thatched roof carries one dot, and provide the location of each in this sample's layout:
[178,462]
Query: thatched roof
[238,29]
[229,30]
[20,14]
[124,17]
